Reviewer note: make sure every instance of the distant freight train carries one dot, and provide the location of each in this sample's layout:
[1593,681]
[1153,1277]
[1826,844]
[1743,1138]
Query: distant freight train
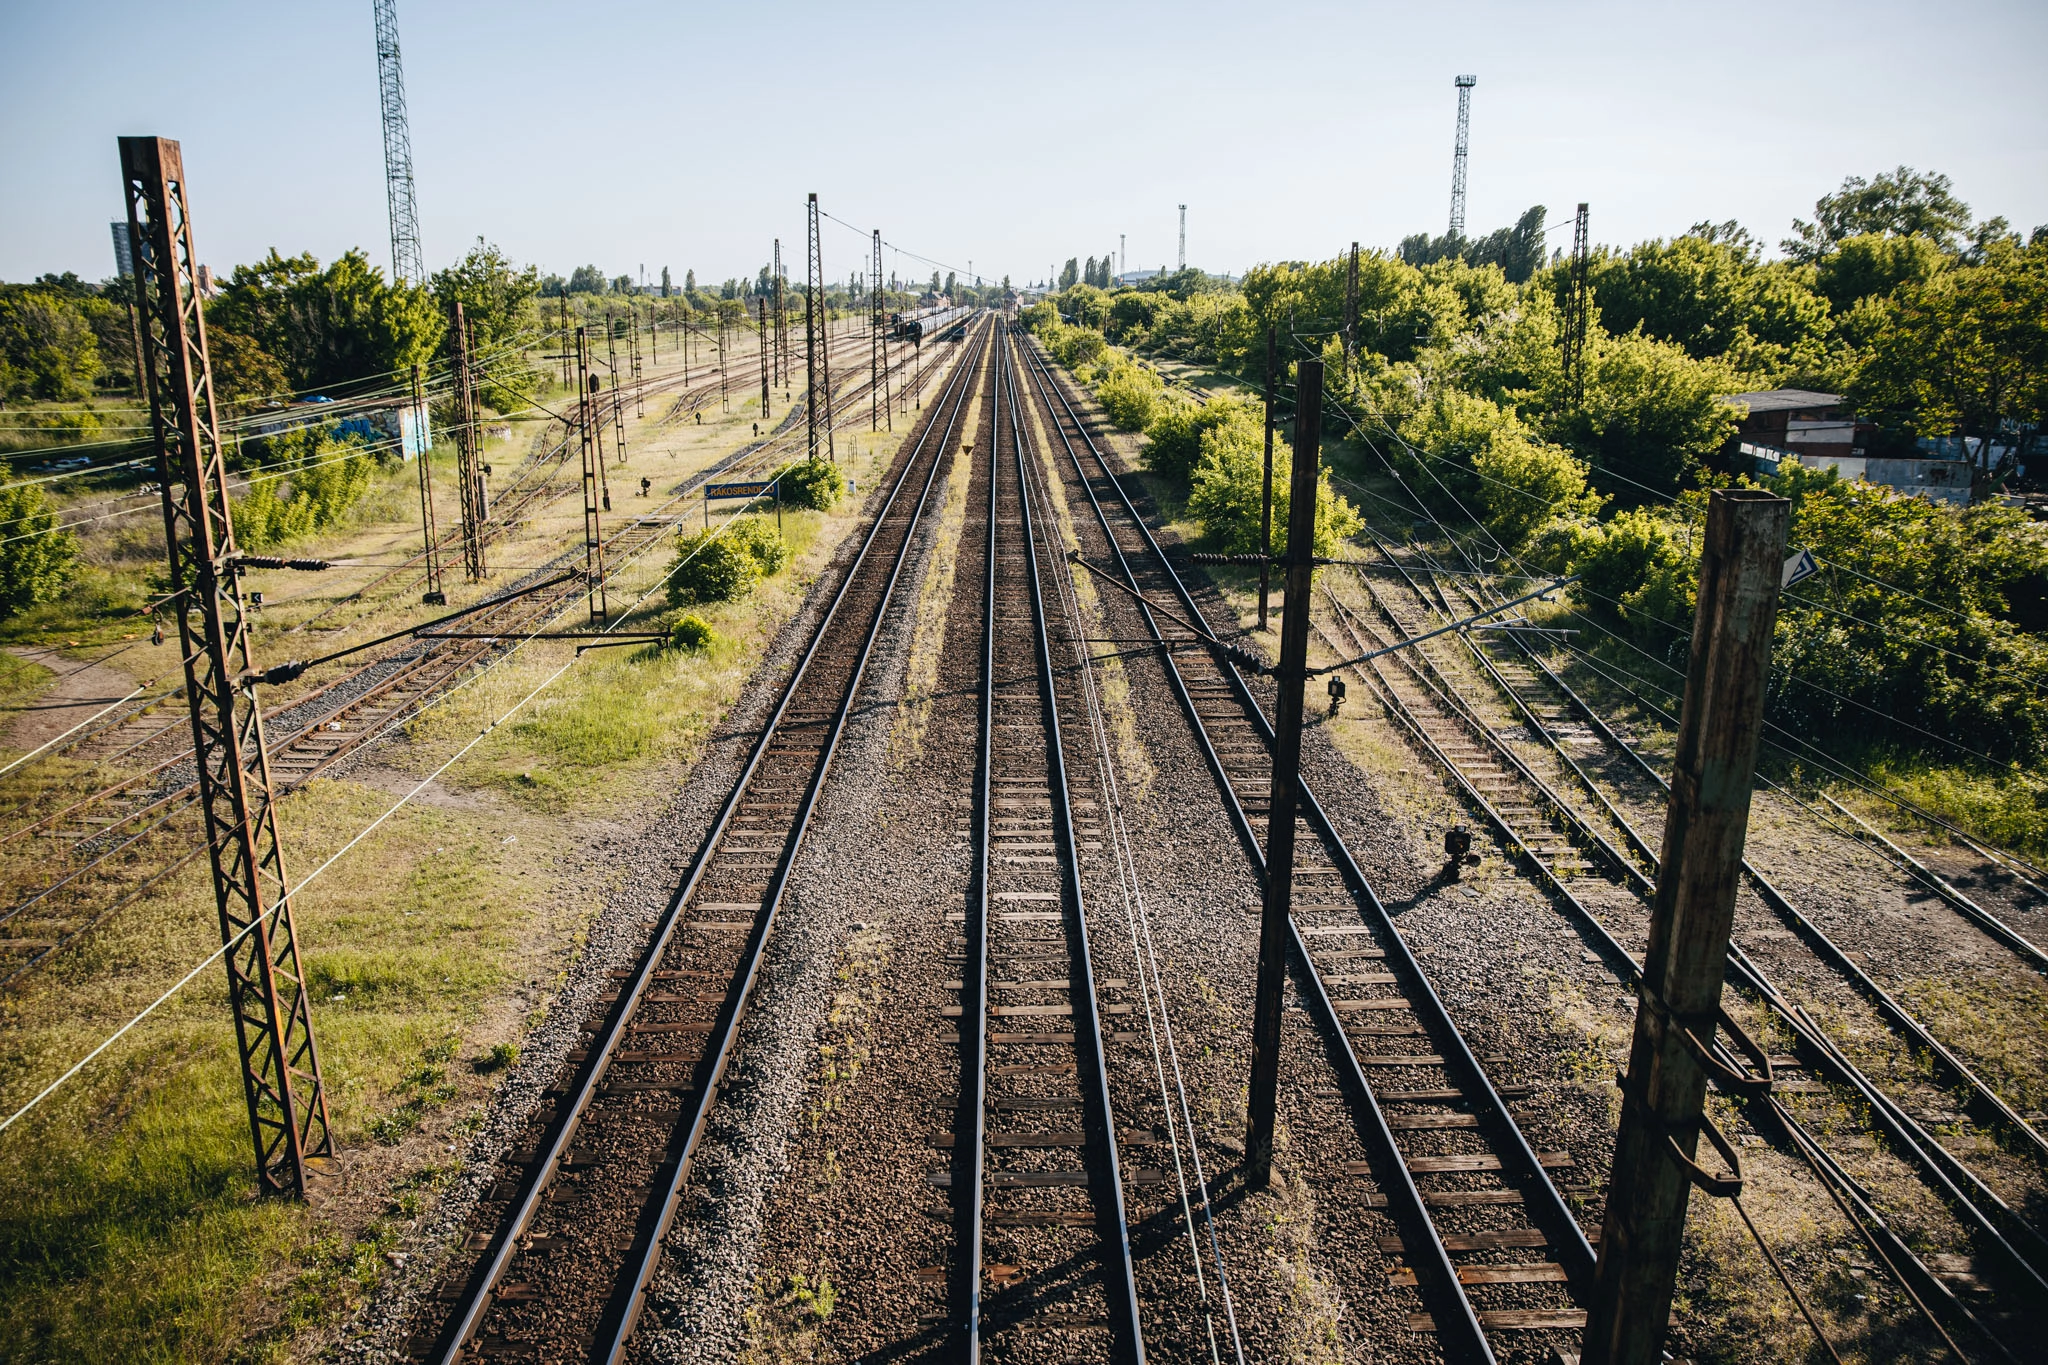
[945,320]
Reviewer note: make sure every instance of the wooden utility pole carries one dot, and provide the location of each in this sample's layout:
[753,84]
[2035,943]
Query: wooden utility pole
[1687,958]
[1274,932]
[1266,507]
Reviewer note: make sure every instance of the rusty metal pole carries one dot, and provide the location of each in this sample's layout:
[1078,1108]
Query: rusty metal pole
[1266,506]
[591,438]
[266,986]
[562,300]
[1685,964]
[761,335]
[611,342]
[1274,931]
[430,530]
[639,394]
[468,457]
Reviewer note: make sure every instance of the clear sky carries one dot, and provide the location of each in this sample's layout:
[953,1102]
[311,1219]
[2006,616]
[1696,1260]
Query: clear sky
[624,133]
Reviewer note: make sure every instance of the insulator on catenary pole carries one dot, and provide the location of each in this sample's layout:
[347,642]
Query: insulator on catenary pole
[266,987]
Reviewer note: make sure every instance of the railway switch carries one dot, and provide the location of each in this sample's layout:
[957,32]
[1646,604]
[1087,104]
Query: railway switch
[1336,695]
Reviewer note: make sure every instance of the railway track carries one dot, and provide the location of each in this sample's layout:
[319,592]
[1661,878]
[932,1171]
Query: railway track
[122,841]
[1571,833]
[566,1244]
[1037,1180]
[1489,1257]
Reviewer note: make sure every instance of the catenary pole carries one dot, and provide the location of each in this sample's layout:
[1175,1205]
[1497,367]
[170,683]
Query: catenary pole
[266,987]
[1291,676]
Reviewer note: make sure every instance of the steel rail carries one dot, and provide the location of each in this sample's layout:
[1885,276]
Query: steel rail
[1936,1162]
[646,1256]
[1461,1324]
[1887,1005]
[976,1102]
[436,667]
[1825,946]
[1132,1335]
[622,1313]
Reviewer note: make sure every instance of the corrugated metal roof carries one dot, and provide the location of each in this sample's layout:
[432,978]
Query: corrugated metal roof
[1783,400]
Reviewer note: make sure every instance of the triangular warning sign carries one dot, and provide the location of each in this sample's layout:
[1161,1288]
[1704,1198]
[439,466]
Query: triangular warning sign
[1799,568]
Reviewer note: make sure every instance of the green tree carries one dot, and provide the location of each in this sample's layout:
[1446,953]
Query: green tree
[244,374]
[497,300]
[1131,394]
[1872,265]
[1070,274]
[1525,484]
[36,559]
[1964,352]
[339,328]
[1517,250]
[1228,492]
[812,484]
[1173,445]
[1901,203]
[47,346]
[1652,415]
[308,481]
[725,562]
[1708,292]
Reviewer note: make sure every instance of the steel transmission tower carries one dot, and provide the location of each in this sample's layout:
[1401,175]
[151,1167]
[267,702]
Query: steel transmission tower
[1183,237]
[1464,84]
[407,263]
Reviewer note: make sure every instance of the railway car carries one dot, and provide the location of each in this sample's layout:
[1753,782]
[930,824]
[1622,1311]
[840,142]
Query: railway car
[920,323]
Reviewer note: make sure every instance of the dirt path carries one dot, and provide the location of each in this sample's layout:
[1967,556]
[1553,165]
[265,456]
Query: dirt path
[80,690]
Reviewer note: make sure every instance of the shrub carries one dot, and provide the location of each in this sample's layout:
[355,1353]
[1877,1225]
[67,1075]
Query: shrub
[37,560]
[1229,492]
[691,634]
[1524,484]
[811,484]
[1174,436]
[763,540]
[725,562]
[1636,572]
[310,483]
[1131,396]
[1073,347]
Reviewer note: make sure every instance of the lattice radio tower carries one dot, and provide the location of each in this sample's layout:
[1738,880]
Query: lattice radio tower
[1183,236]
[407,262]
[1464,84]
